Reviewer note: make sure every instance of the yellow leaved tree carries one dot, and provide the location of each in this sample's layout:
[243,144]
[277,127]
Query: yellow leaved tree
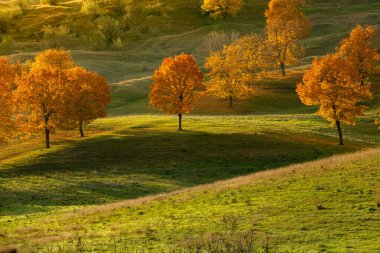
[220,9]
[8,75]
[177,84]
[43,93]
[233,70]
[333,84]
[360,50]
[286,24]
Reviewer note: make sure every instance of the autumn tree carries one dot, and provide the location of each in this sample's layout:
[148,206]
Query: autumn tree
[43,93]
[333,85]
[233,69]
[89,97]
[286,24]
[220,9]
[360,50]
[177,84]
[8,75]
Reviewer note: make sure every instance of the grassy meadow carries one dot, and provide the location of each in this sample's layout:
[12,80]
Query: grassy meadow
[267,170]
[136,156]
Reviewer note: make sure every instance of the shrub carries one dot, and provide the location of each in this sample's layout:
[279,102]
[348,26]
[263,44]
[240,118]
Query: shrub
[118,43]
[153,9]
[132,14]
[90,8]
[7,16]
[92,41]
[6,43]
[109,28]
[57,36]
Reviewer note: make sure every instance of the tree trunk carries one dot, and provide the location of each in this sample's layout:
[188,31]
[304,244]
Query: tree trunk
[81,129]
[230,103]
[362,78]
[47,137]
[283,69]
[339,132]
[180,121]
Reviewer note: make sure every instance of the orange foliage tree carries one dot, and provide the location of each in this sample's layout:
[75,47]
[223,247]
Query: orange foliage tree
[286,24]
[360,50]
[220,9]
[233,69]
[40,98]
[55,94]
[177,84]
[89,97]
[333,85]
[8,75]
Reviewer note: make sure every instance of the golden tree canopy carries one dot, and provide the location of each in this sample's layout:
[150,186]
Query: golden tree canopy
[220,9]
[286,24]
[333,85]
[177,84]
[233,70]
[360,50]
[44,94]
[54,58]
[89,97]
[40,98]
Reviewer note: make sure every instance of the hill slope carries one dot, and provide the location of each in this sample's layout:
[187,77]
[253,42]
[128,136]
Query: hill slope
[331,205]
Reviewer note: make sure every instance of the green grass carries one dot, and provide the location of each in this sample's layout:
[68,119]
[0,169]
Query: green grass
[326,206]
[143,155]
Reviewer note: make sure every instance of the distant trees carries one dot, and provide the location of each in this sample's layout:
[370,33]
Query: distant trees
[220,9]
[177,84]
[52,93]
[333,84]
[233,69]
[360,50]
[286,24]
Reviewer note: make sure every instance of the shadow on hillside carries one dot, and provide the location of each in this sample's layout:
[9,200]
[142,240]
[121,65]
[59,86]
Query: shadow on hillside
[140,161]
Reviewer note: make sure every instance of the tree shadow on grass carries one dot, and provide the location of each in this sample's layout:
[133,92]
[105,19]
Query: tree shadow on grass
[141,161]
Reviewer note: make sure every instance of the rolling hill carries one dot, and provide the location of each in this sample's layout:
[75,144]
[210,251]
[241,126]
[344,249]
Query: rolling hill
[267,170]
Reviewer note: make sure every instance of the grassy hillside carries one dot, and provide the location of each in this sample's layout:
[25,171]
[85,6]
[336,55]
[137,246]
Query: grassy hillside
[332,205]
[180,27]
[130,157]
